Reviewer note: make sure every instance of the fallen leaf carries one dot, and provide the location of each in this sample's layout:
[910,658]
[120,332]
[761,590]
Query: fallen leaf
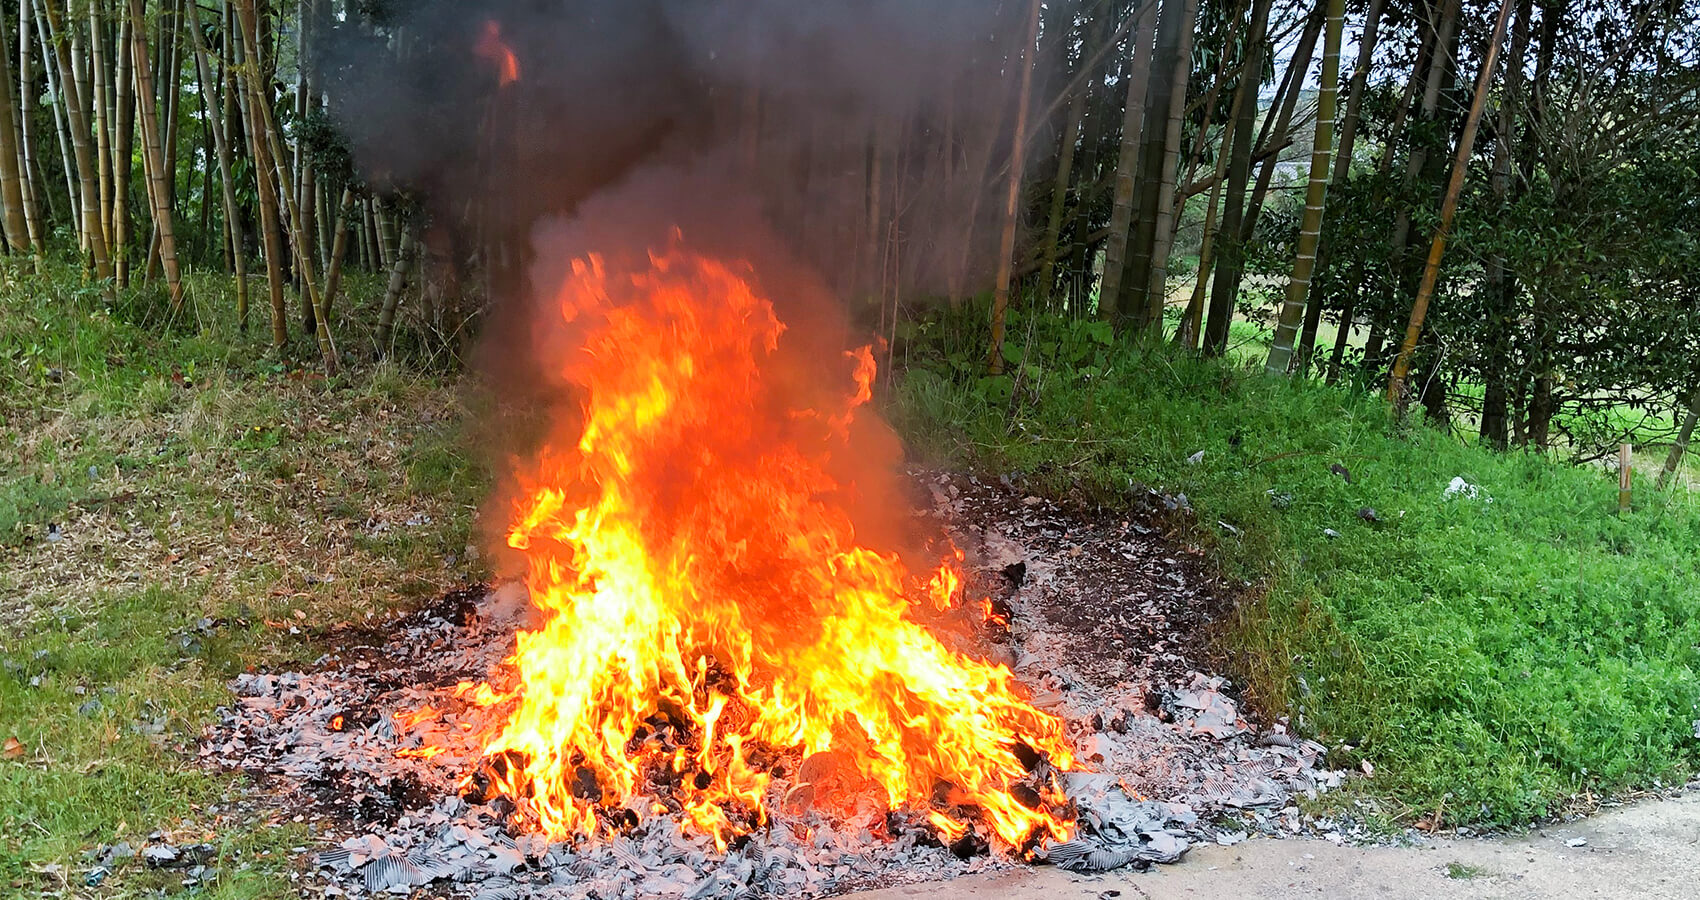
[13,749]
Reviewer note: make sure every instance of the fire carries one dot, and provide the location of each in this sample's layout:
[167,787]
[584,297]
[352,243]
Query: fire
[491,47]
[706,605]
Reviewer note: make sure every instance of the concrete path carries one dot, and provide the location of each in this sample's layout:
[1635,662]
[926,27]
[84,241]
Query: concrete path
[1649,850]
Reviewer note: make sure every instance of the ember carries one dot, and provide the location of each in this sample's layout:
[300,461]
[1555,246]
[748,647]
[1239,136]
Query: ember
[491,47]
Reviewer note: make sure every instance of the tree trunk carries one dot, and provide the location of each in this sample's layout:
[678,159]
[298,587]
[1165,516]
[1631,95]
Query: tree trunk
[1074,118]
[153,154]
[1012,201]
[1086,181]
[1342,172]
[100,79]
[77,122]
[17,229]
[1127,164]
[1683,436]
[1438,77]
[1280,136]
[61,127]
[1192,320]
[1225,287]
[1316,195]
[392,292]
[31,188]
[271,236]
[1495,429]
[1146,287]
[272,145]
[339,249]
[1396,392]
[221,145]
[123,151]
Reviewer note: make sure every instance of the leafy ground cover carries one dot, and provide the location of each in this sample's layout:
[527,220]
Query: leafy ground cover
[1494,659]
[174,508]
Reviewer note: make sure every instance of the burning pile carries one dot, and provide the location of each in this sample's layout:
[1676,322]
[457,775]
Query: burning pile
[706,607]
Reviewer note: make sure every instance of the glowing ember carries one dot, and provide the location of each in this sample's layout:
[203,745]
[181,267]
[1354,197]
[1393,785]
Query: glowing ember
[705,602]
[491,47]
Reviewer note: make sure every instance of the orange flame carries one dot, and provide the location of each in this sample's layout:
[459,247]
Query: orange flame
[491,47]
[700,580]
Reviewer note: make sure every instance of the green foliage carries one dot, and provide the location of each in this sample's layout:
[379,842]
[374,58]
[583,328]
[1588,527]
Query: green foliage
[1496,656]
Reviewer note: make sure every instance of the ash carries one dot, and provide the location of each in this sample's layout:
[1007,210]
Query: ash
[1100,616]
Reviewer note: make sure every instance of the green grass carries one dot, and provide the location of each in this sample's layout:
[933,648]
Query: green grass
[1497,660]
[178,504]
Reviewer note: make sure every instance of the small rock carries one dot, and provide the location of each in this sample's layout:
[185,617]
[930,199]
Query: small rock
[160,856]
[1576,842]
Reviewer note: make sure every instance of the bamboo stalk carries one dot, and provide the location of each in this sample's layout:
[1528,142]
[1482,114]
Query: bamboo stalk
[1396,392]
[11,189]
[221,144]
[99,80]
[26,116]
[339,249]
[1316,193]
[1674,459]
[154,156]
[1018,154]
[1154,235]
[78,125]
[272,238]
[1127,166]
[124,148]
[270,140]
[393,291]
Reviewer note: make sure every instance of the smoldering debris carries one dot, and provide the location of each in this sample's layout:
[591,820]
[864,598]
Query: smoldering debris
[1100,626]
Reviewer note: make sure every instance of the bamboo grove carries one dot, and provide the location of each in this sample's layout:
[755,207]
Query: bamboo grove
[1490,209]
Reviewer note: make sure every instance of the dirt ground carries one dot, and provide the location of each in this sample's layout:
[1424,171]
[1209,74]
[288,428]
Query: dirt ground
[1648,850]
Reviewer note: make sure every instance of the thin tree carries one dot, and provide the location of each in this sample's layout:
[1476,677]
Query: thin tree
[393,291]
[1012,200]
[1127,163]
[1449,207]
[268,139]
[1072,122]
[124,144]
[1316,194]
[11,187]
[78,125]
[1683,436]
[153,154]
[1145,289]
[1225,285]
[221,146]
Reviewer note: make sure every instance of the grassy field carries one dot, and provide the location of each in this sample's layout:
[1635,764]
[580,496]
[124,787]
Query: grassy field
[175,507]
[1495,659]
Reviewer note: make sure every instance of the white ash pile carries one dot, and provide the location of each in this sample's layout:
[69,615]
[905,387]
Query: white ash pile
[375,742]
[1105,623]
